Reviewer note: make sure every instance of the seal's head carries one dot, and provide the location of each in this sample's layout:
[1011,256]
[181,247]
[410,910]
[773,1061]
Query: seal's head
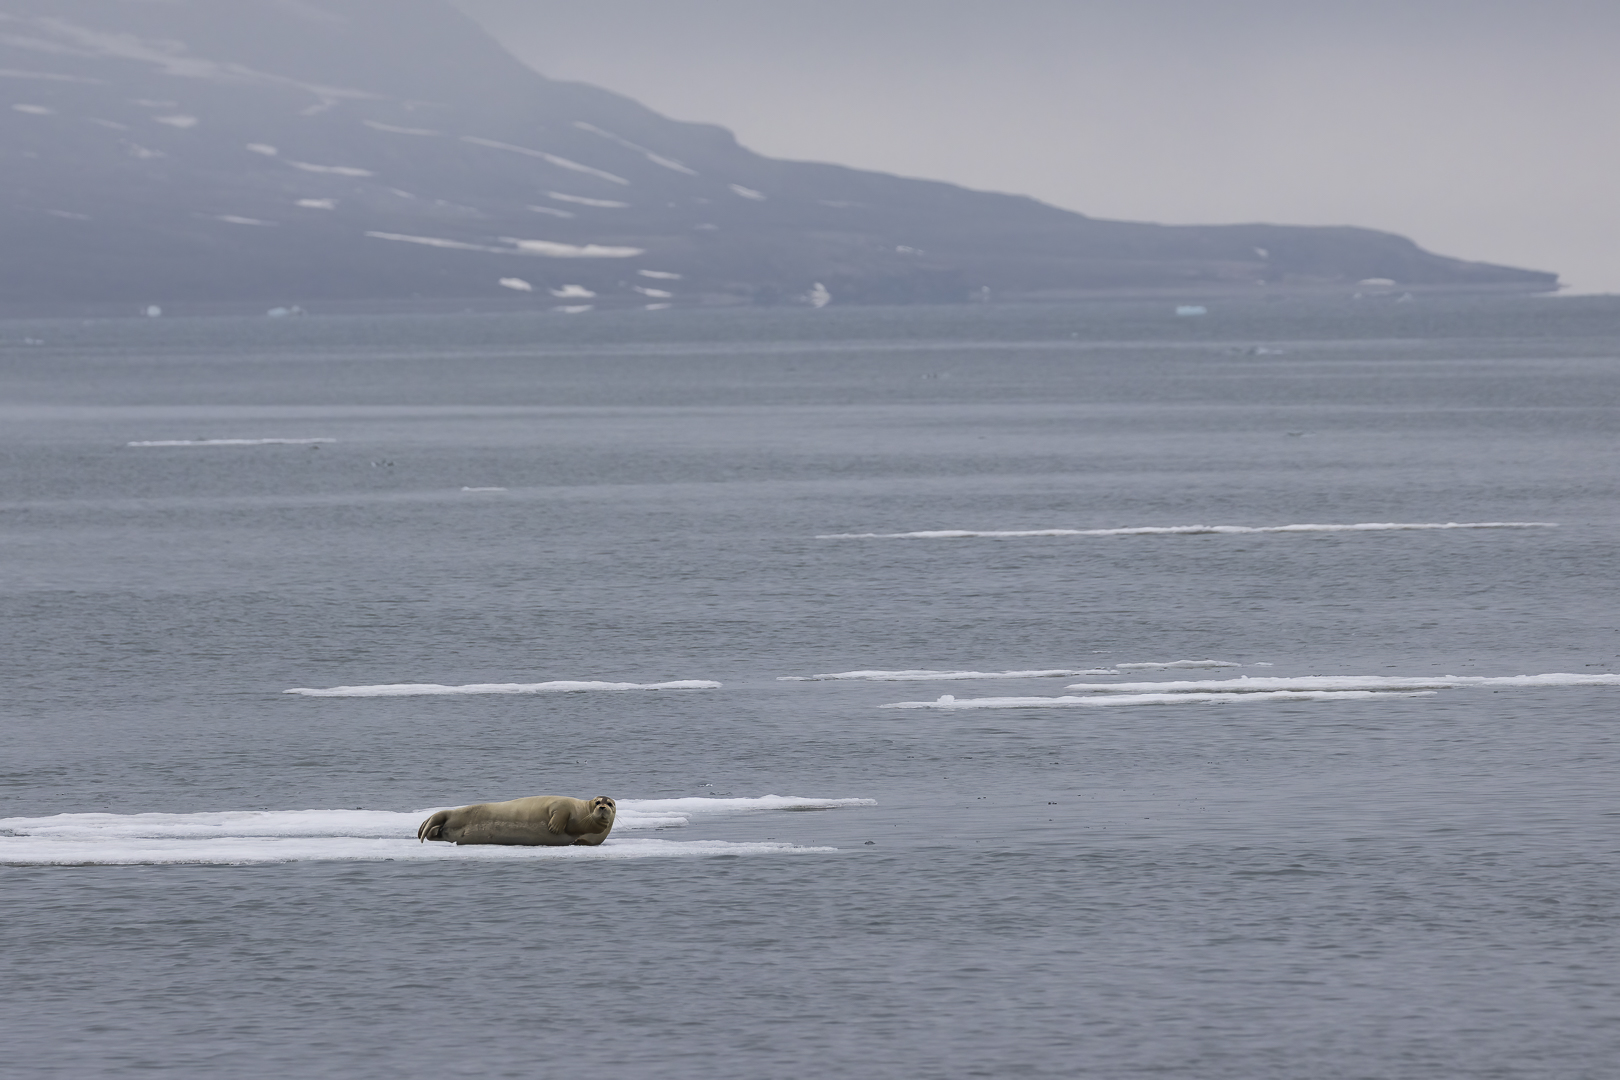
[603,809]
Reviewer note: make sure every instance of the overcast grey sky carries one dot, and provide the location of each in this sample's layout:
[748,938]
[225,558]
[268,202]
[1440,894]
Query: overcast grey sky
[1485,129]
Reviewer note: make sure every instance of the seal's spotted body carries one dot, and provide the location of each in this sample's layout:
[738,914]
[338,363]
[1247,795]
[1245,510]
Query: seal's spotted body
[548,820]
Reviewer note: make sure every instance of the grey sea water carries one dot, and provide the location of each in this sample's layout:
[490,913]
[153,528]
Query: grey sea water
[205,876]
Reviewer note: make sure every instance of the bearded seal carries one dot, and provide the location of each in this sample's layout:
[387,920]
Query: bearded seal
[548,820]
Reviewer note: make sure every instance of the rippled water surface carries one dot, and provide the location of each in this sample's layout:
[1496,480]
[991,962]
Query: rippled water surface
[1182,778]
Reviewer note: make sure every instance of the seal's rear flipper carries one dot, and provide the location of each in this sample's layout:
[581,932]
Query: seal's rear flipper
[433,827]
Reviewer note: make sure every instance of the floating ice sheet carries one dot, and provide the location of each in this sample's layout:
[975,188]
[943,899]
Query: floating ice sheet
[1245,684]
[1174,665]
[246,837]
[1191,530]
[229,442]
[558,687]
[666,813]
[927,675]
[1104,700]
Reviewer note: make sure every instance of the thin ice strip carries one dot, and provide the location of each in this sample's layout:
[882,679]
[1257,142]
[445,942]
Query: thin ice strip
[951,703]
[560,687]
[928,675]
[1191,530]
[240,851]
[1244,684]
[229,442]
[374,824]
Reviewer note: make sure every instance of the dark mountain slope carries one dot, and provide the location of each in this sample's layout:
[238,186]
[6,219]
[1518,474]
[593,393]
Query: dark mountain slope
[286,151]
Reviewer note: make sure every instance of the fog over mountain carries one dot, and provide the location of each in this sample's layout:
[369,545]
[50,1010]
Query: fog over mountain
[298,151]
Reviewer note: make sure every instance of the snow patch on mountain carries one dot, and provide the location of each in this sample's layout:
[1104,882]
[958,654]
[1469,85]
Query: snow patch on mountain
[657,159]
[560,162]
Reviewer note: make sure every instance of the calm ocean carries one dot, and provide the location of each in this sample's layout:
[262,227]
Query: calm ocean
[1232,803]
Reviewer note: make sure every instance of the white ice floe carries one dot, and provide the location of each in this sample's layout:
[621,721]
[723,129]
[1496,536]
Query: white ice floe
[661,275]
[395,130]
[659,294]
[435,689]
[244,837]
[330,170]
[34,110]
[230,442]
[177,121]
[144,153]
[318,204]
[930,675]
[747,192]
[573,292]
[640,814]
[1245,684]
[516,284]
[1190,530]
[553,211]
[70,215]
[1176,665]
[818,296]
[606,204]
[575,309]
[560,162]
[483,489]
[656,307]
[656,159]
[237,219]
[262,148]
[946,701]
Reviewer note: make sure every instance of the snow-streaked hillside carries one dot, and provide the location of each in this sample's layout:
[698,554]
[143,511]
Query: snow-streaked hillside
[294,152]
